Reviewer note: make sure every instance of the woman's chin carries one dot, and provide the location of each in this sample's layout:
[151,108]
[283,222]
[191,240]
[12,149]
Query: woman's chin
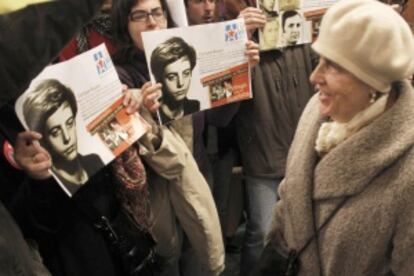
[324,109]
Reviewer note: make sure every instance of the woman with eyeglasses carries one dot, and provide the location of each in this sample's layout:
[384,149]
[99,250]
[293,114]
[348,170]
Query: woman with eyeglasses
[185,198]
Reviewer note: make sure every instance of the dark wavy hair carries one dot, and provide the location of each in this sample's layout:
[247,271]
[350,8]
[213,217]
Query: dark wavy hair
[44,100]
[169,51]
[120,18]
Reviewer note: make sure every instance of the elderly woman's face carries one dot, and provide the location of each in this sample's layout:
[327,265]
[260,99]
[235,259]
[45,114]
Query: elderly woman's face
[177,78]
[147,15]
[60,133]
[341,94]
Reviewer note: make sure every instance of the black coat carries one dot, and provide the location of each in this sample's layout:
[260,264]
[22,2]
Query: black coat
[32,37]
[266,124]
[63,227]
[68,242]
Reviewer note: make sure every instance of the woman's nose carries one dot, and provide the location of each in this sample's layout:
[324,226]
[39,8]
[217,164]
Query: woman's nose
[151,21]
[316,76]
[180,81]
[209,6]
[65,136]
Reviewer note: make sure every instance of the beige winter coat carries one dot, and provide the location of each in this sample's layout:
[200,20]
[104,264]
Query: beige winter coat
[373,233]
[182,193]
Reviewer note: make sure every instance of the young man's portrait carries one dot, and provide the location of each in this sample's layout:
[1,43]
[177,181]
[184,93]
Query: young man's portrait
[292,23]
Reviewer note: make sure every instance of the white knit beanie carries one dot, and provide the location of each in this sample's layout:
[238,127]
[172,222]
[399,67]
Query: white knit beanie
[368,39]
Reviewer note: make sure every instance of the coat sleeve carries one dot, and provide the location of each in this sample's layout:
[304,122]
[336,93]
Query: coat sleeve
[190,196]
[32,37]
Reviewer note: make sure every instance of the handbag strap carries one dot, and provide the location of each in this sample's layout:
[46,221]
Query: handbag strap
[291,268]
[315,234]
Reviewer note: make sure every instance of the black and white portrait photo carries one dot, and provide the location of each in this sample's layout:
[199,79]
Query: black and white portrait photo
[51,109]
[269,35]
[285,5]
[292,23]
[172,63]
[269,7]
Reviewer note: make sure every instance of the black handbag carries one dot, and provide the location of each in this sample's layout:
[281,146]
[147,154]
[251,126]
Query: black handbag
[272,263]
[132,248]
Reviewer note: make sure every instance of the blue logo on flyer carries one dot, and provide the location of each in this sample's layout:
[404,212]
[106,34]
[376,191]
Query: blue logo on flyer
[233,32]
[102,63]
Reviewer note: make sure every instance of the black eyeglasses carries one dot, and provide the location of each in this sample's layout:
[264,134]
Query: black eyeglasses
[158,14]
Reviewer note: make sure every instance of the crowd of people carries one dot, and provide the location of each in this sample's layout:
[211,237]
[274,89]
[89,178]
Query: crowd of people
[325,146]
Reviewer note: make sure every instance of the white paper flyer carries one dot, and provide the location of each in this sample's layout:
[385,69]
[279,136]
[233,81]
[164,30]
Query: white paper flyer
[77,107]
[200,67]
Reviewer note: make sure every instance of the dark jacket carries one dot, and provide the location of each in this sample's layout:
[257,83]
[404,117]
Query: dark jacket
[66,237]
[65,228]
[32,37]
[16,258]
[91,163]
[68,241]
[266,124]
[10,175]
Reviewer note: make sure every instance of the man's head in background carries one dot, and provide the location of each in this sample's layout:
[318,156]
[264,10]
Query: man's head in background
[201,11]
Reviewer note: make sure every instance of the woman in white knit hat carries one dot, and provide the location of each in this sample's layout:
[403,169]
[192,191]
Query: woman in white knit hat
[347,200]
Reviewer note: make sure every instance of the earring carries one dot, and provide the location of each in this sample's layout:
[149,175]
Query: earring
[374,96]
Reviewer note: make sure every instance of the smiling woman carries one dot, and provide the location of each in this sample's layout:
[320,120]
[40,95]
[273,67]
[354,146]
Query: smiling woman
[348,185]
[50,109]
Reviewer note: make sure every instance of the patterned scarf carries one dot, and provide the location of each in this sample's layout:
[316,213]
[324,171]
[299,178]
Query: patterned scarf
[133,189]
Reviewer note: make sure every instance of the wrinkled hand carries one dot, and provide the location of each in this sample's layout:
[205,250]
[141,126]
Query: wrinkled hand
[31,156]
[253,18]
[252,53]
[150,94]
